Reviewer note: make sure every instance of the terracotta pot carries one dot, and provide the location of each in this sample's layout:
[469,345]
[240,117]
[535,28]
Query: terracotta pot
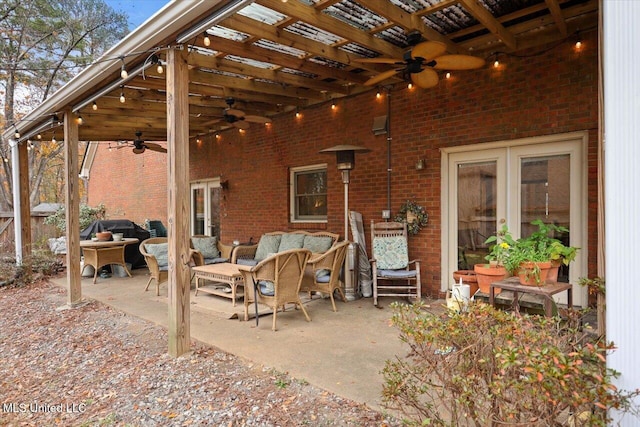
[468,277]
[487,274]
[104,235]
[527,275]
[552,276]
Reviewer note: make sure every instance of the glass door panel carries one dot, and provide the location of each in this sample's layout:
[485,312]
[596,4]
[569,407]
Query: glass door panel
[198,209]
[214,209]
[205,208]
[477,191]
[545,184]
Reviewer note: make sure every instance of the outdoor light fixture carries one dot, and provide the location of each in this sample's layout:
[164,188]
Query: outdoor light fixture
[17,134]
[123,71]
[346,159]
[206,40]
[217,16]
[94,106]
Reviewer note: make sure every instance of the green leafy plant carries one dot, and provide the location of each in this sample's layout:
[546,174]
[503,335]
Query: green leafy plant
[487,366]
[87,216]
[540,246]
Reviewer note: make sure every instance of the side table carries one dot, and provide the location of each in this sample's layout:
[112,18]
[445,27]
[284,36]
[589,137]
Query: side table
[547,291]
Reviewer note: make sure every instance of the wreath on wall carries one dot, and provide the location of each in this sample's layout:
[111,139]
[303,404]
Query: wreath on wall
[415,216]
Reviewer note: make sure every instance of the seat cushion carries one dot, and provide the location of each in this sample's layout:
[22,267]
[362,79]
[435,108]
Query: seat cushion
[317,244]
[247,261]
[325,278]
[397,274]
[266,288]
[390,252]
[207,246]
[208,261]
[291,241]
[268,244]
[160,251]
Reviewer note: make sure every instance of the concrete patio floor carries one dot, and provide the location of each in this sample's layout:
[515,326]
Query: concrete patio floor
[342,352]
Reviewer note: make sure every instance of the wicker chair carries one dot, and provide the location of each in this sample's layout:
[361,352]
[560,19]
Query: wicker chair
[283,271]
[323,272]
[390,263]
[200,259]
[157,271]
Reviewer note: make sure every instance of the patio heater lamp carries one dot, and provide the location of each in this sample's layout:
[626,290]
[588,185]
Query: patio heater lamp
[346,158]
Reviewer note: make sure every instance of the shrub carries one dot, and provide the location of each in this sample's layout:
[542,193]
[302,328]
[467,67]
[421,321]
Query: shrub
[40,264]
[87,216]
[488,366]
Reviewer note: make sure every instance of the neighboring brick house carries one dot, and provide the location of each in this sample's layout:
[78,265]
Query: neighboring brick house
[552,93]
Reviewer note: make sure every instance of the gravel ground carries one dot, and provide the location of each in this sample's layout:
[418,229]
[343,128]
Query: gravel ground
[94,365]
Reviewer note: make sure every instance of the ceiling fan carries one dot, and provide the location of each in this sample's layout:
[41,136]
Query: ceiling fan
[139,145]
[421,61]
[238,118]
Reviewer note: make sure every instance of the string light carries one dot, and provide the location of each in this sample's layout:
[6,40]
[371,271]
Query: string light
[410,86]
[155,59]
[378,94]
[241,131]
[122,98]
[38,137]
[94,106]
[207,40]
[123,71]
[17,134]
[298,114]
[447,76]
[80,120]
[218,136]
[333,105]
[53,138]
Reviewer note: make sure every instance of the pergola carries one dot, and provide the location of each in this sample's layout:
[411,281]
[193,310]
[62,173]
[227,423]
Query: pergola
[273,57]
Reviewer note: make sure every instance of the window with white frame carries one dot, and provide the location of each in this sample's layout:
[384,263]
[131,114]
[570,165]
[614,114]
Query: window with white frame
[309,193]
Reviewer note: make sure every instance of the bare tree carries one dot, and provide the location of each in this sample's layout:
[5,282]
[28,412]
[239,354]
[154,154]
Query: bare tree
[43,43]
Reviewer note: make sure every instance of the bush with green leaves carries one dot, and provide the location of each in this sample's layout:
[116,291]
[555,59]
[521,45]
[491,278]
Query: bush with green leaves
[87,216]
[491,367]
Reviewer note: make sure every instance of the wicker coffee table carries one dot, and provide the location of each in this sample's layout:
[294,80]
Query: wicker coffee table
[224,277]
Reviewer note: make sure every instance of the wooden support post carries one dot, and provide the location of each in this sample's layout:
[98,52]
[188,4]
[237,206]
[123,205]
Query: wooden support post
[25,204]
[178,201]
[72,208]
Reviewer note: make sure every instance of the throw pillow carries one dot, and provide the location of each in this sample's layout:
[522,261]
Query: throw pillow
[291,241]
[207,246]
[268,244]
[160,251]
[317,244]
[391,252]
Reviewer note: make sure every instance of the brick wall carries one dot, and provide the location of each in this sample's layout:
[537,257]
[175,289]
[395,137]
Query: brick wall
[555,92]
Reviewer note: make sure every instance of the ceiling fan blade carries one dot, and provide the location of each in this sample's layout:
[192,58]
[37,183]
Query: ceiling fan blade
[458,62]
[428,50]
[138,150]
[425,79]
[379,60]
[257,119]
[380,77]
[234,112]
[241,124]
[155,147]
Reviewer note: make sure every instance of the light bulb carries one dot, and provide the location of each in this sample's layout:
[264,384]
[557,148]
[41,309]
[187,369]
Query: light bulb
[160,70]
[80,120]
[218,136]
[378,95]
[410,86]
[207,40]
[448,75]
[6,160]
[17,134]
[298,115]
[496,63]
[578,44]
[123,71]
[333,106]
[94,106]
[241,131]
[38,136]
[53,139]
[122,98]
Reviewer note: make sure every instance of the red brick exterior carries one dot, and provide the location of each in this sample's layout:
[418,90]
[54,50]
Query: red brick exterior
[555,92]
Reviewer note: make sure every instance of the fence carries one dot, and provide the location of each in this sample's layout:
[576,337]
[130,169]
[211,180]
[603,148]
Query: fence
[40,231]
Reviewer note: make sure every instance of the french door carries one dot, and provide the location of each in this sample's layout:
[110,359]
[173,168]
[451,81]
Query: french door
[514,183]
[205,208]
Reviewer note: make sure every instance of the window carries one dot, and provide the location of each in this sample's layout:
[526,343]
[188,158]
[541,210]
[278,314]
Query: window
[309,193]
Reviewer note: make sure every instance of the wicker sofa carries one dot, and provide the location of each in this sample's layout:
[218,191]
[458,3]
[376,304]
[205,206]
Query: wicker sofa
[278,241]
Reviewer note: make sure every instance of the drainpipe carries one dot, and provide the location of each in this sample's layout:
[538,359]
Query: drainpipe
[389,149]
[17,208]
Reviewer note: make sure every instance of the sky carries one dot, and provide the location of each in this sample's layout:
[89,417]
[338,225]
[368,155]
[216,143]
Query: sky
[137,10]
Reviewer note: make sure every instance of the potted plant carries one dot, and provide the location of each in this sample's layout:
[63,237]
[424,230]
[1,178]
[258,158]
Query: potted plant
[495,270]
